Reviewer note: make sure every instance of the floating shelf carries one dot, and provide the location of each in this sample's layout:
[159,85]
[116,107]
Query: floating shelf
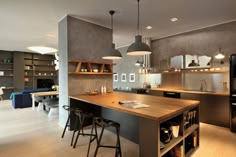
[90,73]
[91,68]
[6,75]
[8,88]
[45,70]
[6,69]
[44,65]
[29,69]
[6,63]
[39,59]
[45,75]
[188,72]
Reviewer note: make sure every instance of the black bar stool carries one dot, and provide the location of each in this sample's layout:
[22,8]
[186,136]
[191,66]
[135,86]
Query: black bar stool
[70,113]
[81,119]
[103,123]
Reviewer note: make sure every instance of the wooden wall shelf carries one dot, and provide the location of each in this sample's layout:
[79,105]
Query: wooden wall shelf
[91,68]
[90,73]
[6,63]
[6,75]
[45,75]
[8,88]
[189,72]
[6,69]
[49,65]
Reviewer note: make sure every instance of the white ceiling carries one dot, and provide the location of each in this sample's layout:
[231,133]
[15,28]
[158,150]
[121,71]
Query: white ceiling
[26,23]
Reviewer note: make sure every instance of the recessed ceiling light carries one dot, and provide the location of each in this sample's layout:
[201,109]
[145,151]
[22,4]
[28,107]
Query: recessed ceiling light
[149,27]
[42,49]
[174,19]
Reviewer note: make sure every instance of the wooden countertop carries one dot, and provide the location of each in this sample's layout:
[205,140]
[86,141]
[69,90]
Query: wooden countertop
[160,107]
[190,91]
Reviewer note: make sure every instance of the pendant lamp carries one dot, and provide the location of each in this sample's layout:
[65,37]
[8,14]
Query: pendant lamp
[114,53]
[138,48]
[193,64]
[220,55]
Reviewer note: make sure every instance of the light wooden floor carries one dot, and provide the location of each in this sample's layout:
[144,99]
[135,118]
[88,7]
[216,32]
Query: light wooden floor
[28,133]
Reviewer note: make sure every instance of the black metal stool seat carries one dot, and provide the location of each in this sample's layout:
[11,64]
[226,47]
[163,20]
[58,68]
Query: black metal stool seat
[80,122]
[103,123]
[70,111]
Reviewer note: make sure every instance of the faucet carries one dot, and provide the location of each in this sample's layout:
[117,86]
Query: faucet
[203,82]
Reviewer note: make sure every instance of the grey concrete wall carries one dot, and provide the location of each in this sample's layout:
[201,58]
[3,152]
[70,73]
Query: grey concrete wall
[205,41]
[200,42]
[87,41]
[63,69]
[81,40]
[126,65]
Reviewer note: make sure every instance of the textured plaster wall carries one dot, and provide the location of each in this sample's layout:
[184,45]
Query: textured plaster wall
[200,42]
[126,66]
[206,41]
[63,69]
[80,40]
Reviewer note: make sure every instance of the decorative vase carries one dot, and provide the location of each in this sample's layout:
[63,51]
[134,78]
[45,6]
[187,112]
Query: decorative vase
[175,130]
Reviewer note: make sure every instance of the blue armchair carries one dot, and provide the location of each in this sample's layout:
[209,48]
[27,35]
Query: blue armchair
[23,99]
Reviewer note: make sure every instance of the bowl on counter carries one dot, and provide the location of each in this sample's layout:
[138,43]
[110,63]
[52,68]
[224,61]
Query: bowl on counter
[95,70]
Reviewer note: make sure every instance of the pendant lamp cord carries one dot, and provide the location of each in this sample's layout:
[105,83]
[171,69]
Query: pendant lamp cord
[112,12]
[138,18]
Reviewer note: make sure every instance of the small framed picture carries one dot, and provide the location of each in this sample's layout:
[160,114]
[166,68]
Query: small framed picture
[132,77]
[123,77]
[115,77]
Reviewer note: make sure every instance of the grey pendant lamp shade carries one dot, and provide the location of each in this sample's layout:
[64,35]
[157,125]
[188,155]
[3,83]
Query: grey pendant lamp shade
[114,53]
[138,48]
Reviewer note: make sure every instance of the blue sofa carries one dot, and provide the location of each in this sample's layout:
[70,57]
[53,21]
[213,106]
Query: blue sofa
[23,99]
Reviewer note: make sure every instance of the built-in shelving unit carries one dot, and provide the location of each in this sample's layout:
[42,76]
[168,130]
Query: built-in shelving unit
[37,66]
[79,67]
[6,73]
[187,140]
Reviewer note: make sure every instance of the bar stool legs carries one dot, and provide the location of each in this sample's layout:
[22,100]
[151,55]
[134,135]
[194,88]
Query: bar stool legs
[81,117]
[67,108]
[81,120]
[67,125]
[104,123]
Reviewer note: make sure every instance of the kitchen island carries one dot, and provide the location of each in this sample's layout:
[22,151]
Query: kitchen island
[151,119]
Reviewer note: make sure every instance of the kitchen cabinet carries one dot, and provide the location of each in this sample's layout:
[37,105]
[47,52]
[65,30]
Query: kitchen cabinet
[215,103]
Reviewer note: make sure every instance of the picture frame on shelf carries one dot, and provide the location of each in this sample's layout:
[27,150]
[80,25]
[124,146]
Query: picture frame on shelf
[123,77]
[115,77]
[132,77]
